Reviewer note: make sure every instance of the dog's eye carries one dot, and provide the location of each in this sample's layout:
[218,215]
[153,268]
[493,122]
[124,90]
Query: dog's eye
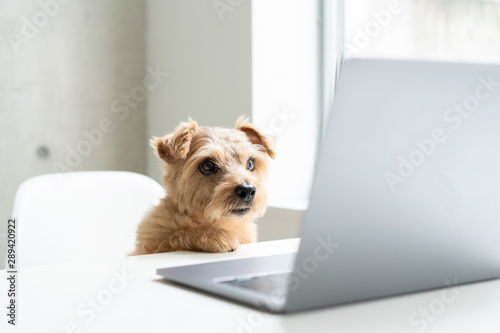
[208,167]
[251,164]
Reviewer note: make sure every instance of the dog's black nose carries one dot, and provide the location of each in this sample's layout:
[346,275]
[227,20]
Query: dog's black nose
[246,192]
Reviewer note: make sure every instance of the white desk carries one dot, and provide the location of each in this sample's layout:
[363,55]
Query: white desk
[52,298]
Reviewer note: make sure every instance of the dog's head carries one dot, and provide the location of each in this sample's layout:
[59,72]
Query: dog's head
[213,173]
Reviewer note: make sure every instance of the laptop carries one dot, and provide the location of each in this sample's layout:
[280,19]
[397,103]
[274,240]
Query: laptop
[405,197]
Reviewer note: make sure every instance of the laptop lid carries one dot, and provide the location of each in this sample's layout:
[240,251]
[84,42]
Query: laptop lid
[406,194]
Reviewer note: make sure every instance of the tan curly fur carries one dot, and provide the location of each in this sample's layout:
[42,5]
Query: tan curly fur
[199,211]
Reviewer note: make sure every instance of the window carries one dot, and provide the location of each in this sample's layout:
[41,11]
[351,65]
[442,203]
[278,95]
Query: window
[286,92]
[296,48]
[458,30]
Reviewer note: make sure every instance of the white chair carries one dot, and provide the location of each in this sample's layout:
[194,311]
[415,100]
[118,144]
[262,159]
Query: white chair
[80,216]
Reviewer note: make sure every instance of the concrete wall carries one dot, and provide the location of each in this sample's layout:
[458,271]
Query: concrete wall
[61,69]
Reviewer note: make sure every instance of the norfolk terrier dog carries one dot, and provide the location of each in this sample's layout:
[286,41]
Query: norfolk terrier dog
[214,180]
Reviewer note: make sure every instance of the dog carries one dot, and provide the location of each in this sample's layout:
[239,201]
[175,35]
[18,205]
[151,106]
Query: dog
[214,180]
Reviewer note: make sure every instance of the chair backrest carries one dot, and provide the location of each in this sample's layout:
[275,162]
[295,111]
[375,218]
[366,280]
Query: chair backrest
[80,216]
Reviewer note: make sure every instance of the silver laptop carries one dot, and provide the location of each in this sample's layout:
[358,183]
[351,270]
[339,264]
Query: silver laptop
[406,195]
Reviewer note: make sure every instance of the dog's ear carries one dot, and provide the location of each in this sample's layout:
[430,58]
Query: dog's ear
[266,143]
[175,146]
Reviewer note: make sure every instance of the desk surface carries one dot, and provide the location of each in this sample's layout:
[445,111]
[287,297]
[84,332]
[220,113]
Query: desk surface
[126,295]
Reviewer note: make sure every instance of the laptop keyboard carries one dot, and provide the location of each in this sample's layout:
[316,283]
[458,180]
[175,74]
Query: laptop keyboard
[275,285]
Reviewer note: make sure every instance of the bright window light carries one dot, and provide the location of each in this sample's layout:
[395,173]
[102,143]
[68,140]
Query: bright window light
[286,93]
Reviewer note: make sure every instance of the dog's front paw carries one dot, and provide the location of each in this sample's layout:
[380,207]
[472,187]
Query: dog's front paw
[218,241]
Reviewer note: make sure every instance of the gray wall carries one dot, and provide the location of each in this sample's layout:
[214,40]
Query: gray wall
[209,61]
[60,81]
